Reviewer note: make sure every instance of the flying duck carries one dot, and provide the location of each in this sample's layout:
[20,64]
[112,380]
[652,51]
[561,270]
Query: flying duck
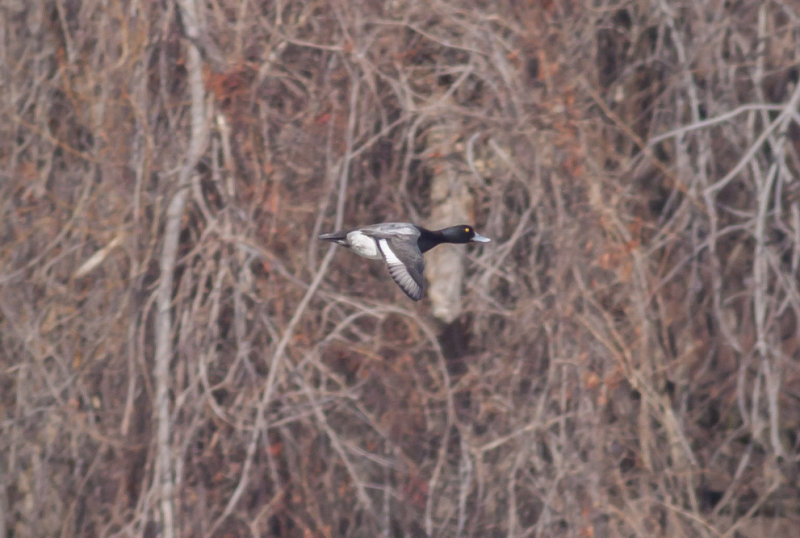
[400,245]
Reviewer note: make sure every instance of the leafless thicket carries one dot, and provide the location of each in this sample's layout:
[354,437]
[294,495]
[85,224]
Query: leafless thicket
[182,358]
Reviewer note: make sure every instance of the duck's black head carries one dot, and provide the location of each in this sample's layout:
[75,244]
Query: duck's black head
[463,233]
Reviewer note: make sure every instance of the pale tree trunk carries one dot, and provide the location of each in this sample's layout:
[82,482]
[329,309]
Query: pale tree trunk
[165,478]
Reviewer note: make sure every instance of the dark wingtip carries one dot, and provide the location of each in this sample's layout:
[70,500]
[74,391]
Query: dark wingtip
[420,293]
[409,292]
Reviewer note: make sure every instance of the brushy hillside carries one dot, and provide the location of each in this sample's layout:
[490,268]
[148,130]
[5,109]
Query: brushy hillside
[181,356]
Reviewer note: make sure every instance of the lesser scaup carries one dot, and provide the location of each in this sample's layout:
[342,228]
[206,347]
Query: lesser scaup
[400,245]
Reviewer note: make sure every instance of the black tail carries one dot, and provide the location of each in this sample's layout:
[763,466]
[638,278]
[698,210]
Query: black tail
[336,237]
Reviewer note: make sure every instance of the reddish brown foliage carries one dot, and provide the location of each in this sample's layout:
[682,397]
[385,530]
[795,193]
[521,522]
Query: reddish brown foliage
[626,358]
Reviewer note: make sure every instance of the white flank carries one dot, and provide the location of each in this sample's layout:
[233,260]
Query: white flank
[363,245]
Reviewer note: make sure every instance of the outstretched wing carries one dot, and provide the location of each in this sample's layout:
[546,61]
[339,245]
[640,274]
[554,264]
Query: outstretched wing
[405,265]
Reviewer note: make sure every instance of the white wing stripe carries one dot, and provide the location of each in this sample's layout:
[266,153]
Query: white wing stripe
[391,257]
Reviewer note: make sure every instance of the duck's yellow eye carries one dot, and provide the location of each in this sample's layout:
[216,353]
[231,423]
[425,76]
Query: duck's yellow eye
[466,230]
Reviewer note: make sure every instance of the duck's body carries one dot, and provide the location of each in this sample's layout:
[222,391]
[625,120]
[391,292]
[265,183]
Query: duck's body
[400,245]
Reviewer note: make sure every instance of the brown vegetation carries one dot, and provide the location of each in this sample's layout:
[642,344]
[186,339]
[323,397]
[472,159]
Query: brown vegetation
[181,357]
